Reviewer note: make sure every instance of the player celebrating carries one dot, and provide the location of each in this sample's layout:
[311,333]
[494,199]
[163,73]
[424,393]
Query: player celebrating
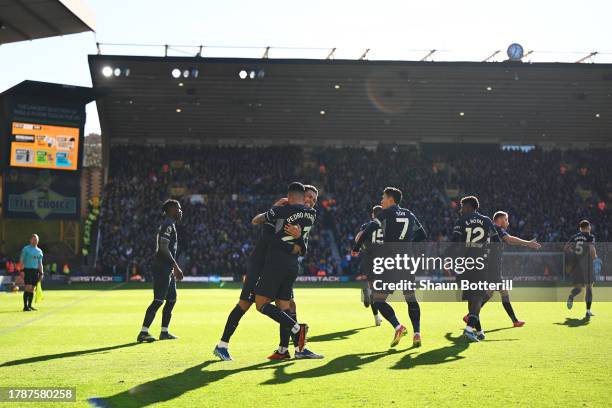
[581,252]
[310,199]
[376,238]
[165,273]
[398,225]
[281,268]
[254,269]
[476,231]
[501,221]
[31,259]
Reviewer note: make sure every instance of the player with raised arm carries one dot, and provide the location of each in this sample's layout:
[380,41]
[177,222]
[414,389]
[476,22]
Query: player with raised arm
[501,221]
[476,231]
[398,225]
[310,200]
[580,250]
[254,268]
[281,268]
[166,272]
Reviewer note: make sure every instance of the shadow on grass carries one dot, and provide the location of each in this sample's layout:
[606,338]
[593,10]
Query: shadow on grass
[173,386]
[342,364]
[441,355]
[339,335]
[571,322]
[47,357]
[499,329]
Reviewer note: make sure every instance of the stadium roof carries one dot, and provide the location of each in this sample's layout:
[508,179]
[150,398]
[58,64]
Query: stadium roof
[22,20]
[350,102]
[47,90]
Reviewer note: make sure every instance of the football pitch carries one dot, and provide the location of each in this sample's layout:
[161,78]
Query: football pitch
[86,339]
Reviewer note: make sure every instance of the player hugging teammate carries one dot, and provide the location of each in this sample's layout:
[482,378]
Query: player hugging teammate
[281,238]
[273,265]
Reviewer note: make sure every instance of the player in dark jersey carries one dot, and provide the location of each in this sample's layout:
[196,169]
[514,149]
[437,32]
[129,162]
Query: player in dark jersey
[310,200]
[254,268]
[580,250]
[165,273]
[398,225]
[476,231]
[375,238]
[281,268]
[494,270]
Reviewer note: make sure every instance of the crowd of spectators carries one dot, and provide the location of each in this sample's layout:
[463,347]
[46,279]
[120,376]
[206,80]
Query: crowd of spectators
[222,188]
[541,190]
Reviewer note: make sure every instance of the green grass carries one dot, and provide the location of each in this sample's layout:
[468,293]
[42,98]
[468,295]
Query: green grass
[85,339]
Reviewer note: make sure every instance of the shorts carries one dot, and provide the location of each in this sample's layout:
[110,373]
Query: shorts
[30,276]
[583,274]
[255,266]
[248,286]
[164,285]
[494,274]
[278,276]
[366,268]
[473,276]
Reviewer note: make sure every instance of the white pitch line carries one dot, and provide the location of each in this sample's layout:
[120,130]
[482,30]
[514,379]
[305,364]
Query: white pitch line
[55,311]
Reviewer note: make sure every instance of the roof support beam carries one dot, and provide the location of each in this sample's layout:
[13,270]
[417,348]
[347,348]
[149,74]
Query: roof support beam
[491,56]
[429,54]
[592,54]
[331,54]
[528,54]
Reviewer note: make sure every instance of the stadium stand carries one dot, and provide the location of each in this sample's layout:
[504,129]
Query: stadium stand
[221,188]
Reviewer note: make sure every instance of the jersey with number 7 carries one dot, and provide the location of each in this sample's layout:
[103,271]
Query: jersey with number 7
[399,225]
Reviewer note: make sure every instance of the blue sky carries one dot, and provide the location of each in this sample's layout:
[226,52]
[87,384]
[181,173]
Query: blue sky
[469,30]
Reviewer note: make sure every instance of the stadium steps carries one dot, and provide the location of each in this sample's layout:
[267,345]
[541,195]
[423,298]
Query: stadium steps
[330,240]
[92,182]
[91,185]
